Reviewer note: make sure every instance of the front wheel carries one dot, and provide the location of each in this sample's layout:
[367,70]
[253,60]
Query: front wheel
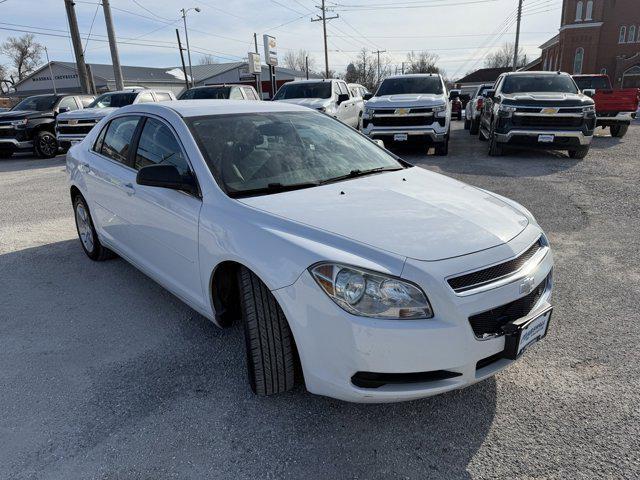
[619,131]
[579,153]
[467,124]
[45,144]
[442,149]
[475,127]
[6,153]
[270,348]
[495,149]
[87,232]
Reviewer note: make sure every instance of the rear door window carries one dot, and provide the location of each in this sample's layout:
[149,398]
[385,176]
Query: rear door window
[159,146]
[163,96]
[235,94]
[145,98]
[117,140]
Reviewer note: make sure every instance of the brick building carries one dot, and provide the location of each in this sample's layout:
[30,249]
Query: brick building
[597,36]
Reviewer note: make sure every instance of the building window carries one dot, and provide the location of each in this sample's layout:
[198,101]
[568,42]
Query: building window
[579,11]
[577,61]
[632,34]
[623,34]
[589,13]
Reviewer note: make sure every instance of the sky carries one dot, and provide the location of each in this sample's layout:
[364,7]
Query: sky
[460,32]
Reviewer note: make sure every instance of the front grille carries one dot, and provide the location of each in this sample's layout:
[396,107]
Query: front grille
[492,321]
[550,121]
[74,129]
[478,278]
[402,121]
[7,133]
[391,111]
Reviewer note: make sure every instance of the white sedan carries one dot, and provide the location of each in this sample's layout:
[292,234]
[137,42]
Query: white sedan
[380,280]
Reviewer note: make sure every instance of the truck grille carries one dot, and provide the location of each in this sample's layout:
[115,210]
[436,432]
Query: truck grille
[7,133]
[478,278]
[547,121]
[492,321]
[82,127]
[402,121]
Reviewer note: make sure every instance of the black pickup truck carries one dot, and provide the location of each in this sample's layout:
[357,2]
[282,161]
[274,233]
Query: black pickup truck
[538,110]
[30,125]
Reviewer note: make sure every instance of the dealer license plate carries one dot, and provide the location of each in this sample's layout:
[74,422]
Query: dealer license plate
[400,137]
[525,332]
[546,138]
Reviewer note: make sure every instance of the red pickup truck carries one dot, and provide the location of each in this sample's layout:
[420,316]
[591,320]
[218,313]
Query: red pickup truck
[615,108]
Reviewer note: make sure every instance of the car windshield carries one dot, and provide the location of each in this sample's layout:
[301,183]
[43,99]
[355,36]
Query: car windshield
[539,83]
[115,100]
[215,93]
[597,83]
[40,103]
[398,86]
[262,153]
[304,90]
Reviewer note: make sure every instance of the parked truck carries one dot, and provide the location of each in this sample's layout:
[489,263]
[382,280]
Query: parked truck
[615,108]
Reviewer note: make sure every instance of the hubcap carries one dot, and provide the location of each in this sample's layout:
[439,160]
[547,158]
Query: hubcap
[84,227]
[48,145]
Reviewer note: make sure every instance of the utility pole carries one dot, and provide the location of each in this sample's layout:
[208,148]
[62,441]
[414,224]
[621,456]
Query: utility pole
[379,52]
[53,80]
[184,68]
[258,75]
[324,19]
[402,68]
[77,45]
[515,53]
[113,46]
[306,64]
[186,36]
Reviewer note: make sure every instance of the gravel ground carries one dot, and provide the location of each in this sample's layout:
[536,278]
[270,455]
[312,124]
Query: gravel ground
[104,374]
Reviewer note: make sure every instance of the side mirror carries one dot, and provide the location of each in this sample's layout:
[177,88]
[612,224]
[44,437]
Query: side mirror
[63,110]
[367,96]
[490,94]
[589,92]
[342,97]
[166,176]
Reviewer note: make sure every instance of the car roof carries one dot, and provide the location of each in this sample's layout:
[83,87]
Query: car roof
[534,72]
[198,108]
[316,80]
[214,85]
[414,75]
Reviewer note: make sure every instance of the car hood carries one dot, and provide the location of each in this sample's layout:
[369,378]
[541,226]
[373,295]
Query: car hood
[86,113]
[548,98]
[20,114]
[407,100]
[413,212]
[308,102]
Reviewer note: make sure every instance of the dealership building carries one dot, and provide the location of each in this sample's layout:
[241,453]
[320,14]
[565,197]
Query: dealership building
[63,77]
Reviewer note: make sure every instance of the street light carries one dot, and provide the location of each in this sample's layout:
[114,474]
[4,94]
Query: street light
[186,34]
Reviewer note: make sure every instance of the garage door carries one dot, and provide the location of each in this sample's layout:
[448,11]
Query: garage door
[631,78]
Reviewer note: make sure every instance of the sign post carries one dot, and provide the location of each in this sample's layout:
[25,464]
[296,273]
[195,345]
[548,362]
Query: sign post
[271,58]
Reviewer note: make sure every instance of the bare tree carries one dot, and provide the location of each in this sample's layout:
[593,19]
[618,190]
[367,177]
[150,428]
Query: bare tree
[364,69]
[503,58]
[297,60]
[422,62]
[207,59]
[24,54]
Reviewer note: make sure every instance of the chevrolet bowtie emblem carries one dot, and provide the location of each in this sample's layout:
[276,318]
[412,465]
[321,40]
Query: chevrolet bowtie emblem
[402,111]
[73,122]
[550,111]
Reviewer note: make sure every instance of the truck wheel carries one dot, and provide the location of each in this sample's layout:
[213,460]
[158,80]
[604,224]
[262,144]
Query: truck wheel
[475,127]
[495,148]
[619,131]
[87,232]
[467,124]
[45,144]
[269,343]
[579,153]
[6,153]
[481,135]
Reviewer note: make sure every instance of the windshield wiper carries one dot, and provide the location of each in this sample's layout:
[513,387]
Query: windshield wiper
[272,188]
[361,173]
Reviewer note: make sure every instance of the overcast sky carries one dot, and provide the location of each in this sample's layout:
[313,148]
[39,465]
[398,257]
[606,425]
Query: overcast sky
[461,32]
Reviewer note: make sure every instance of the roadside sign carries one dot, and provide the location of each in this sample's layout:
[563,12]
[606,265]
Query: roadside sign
[270,50]
[254,63]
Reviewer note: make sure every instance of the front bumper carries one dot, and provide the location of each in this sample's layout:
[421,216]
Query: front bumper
[434,135]
[70,137]
[570,137]
[13,144]
[334,345]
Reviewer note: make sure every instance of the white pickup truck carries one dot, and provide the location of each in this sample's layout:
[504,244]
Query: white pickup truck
[410,107]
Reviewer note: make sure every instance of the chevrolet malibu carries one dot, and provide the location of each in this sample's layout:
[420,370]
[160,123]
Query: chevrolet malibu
[367,278]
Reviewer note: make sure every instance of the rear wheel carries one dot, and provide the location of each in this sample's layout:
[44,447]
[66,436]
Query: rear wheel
[475,127]
[270,348]
[87,232]
[45,144]
[619,131]
[579,153]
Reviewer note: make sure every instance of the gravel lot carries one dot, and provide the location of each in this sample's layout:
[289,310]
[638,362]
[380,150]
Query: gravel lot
[104,374]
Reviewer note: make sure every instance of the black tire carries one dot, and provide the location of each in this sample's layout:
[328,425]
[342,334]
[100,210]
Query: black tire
[579,153]
[460,115]
[475,127]
[442,149]
[6,153]
[495,149]
[45,144]
[619,131]
[481,136]
[270,349]
[467,124]
[94,250]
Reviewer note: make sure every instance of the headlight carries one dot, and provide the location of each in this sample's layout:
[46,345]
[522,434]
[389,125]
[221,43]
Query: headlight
[589,109]
[506,109]
[20,123]
[440,110]
[367,112]
[368,294]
